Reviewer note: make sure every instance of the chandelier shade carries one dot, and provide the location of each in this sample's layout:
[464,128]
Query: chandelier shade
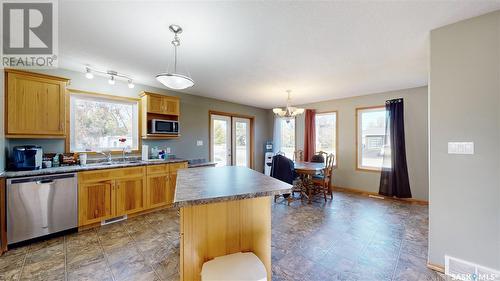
[289,112]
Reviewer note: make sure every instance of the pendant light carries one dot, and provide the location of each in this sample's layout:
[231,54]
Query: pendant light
[289,112]
[174,80]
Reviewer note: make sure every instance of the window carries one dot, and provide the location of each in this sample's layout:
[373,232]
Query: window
[370,138]
[326,133]
[97,123]
[287,137]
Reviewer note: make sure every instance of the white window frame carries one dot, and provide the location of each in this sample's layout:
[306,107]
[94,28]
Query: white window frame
[336,133]
[136,129]
[359,141]
[294,120]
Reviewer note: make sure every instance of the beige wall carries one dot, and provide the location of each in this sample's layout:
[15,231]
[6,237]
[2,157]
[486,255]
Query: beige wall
[464,99]
[346,175]
[194,118]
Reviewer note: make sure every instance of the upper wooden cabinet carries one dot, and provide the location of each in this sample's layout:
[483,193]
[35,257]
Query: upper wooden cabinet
[155,106]
[160,104]
[35,105]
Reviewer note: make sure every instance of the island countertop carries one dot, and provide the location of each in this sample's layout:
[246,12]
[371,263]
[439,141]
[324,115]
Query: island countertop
[215,184]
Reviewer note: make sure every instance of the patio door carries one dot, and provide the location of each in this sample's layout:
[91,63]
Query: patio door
[230,140]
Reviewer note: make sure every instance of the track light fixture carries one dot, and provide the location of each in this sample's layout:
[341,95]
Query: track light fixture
[113,75]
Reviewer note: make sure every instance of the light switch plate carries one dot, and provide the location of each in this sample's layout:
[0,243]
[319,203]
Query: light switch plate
[199,143]
[461,148]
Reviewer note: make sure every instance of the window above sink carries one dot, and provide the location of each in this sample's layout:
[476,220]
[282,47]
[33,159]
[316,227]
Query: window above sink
[98,122]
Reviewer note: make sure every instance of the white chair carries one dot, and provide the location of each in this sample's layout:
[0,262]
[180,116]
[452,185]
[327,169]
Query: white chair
[234,267]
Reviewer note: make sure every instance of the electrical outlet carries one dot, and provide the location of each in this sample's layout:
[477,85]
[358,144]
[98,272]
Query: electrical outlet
[168,150]
[199,143]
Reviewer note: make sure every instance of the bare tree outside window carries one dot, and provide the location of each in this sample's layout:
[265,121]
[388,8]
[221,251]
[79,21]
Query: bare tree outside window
[326,133]
[97,124]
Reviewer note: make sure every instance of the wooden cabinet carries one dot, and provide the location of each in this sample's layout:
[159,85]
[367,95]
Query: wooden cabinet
[109,193]
[130,195]
[158,186]
[95,201]
[155,106]
[160,104]
[35,105]
[173,176]
[161,183]
[104,194]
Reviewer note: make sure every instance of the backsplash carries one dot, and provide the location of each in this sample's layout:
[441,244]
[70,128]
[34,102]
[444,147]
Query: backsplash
[57,146]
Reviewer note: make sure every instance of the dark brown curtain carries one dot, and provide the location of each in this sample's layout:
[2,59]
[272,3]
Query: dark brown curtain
[394,180]
[309,135]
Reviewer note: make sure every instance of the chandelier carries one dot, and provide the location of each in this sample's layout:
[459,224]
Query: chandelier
[175,80]
[289,112]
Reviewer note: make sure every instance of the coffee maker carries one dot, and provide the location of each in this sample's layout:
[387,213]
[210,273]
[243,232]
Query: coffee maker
[27,157]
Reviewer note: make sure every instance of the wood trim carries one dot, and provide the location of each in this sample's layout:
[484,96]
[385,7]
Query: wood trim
[13,136]
[357,167]
[101,95]
[368,193]
[70,92]
[236,115]
[436,267]
[3,217]
[144,93]
[38,75]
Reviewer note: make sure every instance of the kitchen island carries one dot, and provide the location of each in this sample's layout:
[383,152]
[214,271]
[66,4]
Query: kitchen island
[223,211]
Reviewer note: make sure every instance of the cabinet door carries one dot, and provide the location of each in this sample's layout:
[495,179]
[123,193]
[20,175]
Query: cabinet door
[35,106]
[158,190]
[173,179]
[130,195]
[170,106]
[96,202]
[155,104]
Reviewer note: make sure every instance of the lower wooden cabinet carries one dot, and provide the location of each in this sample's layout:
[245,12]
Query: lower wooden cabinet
[95,201]
[105,194]
[130,195]
[158,190]
[110,193]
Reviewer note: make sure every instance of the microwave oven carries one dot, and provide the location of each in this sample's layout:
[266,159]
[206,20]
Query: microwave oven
[158,126]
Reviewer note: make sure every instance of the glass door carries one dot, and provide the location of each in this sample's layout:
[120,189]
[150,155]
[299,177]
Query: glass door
[230,140]
[241,141]
[221,140]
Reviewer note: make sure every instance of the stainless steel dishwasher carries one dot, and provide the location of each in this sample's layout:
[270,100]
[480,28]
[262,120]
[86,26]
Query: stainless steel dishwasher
[42,205]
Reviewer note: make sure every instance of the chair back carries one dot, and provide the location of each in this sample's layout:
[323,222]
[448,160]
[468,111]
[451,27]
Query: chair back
[318,158]
[298,155]
[328,170]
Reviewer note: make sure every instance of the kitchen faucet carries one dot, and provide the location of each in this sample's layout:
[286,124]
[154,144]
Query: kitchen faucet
[107,154]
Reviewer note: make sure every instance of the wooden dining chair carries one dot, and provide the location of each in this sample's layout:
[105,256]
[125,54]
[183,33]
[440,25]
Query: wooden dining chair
[298,155]
[322,182]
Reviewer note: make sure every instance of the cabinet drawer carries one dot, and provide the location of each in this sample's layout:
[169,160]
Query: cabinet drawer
[176,166]
[158,169]
[110,174]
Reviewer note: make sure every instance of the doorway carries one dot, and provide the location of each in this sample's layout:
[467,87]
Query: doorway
[231,139]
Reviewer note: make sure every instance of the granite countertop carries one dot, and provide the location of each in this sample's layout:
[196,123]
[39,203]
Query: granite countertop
[202,164]
[209,185]
[88,167]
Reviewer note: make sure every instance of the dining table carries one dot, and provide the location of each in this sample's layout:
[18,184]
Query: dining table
[306,171]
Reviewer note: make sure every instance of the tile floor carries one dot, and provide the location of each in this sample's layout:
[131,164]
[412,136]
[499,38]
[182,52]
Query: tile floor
[349,238]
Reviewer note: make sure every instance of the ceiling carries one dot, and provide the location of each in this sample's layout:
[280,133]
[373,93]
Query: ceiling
[251,52]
